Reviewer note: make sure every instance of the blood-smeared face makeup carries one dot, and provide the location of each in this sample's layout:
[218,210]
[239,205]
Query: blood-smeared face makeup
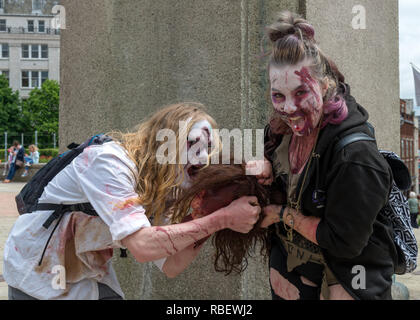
[199,143]
[297,97]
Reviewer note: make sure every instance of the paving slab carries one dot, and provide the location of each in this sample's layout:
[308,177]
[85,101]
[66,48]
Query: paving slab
[412,280]
[8,216]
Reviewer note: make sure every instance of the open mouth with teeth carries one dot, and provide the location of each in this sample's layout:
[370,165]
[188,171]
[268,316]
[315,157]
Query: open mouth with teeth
[297,123]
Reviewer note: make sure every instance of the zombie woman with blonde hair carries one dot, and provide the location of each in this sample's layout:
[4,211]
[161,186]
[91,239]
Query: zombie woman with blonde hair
[327,241]
[131,183]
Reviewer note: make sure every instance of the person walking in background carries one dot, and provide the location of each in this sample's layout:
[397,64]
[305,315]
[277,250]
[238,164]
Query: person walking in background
[414,209]
[17,161]
[32,159]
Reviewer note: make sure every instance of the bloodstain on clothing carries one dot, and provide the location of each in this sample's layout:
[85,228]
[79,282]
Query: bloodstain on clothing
[83,247]
[108,190]
[131,202]
[45,265]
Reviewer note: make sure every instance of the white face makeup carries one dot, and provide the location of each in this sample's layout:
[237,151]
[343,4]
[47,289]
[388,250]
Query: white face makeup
[297,97]
[200,140]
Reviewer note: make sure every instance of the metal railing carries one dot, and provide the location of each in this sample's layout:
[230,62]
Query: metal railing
[40,139]
[22,30]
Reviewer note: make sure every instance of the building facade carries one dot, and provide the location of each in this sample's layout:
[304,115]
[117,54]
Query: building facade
[29,45]
[409,140]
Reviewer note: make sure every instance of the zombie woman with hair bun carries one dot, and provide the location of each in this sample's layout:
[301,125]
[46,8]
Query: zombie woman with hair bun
[327,240]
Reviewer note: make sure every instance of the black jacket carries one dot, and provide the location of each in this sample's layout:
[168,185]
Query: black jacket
[20,154]
[356,183]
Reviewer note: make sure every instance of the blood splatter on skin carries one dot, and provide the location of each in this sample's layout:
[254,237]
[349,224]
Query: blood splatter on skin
[305,225]
[306,77]
[282,287]
[299,152]
[169,237]
[307,103]
[297,98]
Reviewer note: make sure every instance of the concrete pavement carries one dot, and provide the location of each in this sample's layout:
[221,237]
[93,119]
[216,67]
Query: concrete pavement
[9,214]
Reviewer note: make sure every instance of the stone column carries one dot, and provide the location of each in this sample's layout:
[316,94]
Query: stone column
[122,59]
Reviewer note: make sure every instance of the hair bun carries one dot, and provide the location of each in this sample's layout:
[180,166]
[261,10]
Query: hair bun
[307,30]
[288,23]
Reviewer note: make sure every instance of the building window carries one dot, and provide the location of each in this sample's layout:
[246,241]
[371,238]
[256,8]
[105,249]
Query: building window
[41,26]
[31,26]
[33,79]
[408,150]
[403,149]
[37,6]
[1,6]
[34,51]
[4,50]
[44,51]
[25,51]
[3,25]
[44,77]
[25,79]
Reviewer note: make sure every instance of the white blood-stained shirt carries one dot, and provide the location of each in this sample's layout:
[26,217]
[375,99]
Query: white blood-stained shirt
[82,245]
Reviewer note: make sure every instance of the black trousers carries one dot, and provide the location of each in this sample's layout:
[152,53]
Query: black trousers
[414,220]
[310,270]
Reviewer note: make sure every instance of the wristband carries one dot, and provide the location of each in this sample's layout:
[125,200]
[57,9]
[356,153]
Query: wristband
[282,212]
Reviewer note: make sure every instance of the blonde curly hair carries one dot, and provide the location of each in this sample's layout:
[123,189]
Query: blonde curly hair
[157,182]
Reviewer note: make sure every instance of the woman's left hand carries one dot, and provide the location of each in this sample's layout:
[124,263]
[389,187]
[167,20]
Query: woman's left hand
[262,169]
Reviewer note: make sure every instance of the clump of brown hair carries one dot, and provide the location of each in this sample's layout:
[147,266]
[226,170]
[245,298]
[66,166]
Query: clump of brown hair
[217,186]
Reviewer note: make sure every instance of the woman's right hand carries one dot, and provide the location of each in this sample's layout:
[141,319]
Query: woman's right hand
[242,214]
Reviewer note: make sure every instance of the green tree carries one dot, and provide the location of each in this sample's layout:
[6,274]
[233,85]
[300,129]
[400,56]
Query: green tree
[41,108]
[10,108]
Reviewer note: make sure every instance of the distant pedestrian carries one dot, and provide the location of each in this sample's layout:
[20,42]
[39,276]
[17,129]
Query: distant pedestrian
[9,161]
[17,161]
[32,159]
[414,209]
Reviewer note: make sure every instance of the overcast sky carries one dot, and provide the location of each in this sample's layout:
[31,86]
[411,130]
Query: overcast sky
[409,45]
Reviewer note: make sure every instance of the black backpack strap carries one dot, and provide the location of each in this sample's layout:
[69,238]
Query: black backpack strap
[351,138]
[59,211]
